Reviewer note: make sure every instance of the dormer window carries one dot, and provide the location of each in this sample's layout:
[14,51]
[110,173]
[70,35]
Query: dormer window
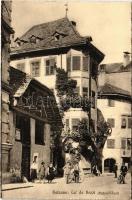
[20,42]
[34,39]
[58,35]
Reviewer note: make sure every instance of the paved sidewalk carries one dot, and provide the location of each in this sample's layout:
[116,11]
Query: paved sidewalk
[13,186]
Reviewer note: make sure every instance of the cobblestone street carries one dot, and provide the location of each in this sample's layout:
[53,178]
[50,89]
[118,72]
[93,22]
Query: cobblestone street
[104,187]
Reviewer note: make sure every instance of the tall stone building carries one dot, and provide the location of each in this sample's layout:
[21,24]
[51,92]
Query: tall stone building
[58,44]
[6,31]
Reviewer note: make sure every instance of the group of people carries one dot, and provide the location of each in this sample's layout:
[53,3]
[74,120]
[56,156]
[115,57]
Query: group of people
[123,172]
[43,173]
[72,172]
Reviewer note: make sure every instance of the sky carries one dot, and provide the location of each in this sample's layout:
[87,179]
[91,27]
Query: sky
[109,23]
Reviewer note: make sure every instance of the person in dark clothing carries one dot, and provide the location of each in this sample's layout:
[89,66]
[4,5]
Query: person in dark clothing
[42,172]
[76,172]
[124,172]
[50,173]
[115,168]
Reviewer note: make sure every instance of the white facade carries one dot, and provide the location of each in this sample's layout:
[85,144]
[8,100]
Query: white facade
[117,146]
[81,76]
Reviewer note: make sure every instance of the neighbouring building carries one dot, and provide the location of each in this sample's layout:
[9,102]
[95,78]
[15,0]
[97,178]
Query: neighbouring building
[6,31]
[114,100]
[58,44]
[34,123]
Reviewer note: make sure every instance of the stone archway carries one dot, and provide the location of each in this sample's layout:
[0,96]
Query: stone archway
[108,164]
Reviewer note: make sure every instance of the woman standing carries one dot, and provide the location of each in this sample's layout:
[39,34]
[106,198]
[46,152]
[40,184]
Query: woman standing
[42,172]
[34,168]
[50,173]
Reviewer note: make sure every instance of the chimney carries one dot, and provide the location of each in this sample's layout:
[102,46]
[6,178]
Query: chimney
[126,58]
[102,75]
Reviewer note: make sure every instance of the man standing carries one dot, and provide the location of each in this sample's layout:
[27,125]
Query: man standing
[123,171]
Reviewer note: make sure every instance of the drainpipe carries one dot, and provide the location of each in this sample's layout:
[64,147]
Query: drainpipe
[89,90]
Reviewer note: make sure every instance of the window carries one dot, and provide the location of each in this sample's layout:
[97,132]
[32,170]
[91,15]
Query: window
[123,143]
[111,121]
[21,66]
[129,122]
[111,143]
[67,124]
[39,132]
[111,103]
[68,63]
[93,99]
[85,63]
[123,123]
[126,143]
[50,66]
[76,62]
[77,91]
[85,91]
[35,68]
[75,123]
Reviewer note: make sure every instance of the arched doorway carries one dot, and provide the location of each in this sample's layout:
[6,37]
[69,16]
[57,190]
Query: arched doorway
[108,164]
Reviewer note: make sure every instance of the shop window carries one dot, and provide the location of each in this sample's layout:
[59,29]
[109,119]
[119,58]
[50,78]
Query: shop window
[85,63]
[93,99]
[68,63]
[111,143]
[129,122]
[35,68]
[39,132]
[111,103]
[123,123]
[50,66]
[21,66]
[111,121]
[85,91]
[76,62]
[75,123]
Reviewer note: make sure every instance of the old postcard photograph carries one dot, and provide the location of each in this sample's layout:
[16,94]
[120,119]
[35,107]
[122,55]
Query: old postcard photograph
[66,121]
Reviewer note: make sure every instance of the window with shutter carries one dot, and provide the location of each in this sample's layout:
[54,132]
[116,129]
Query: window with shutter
[111,143]
[35,68]
[85,63]
[111,121]
[76,62]
[69,63]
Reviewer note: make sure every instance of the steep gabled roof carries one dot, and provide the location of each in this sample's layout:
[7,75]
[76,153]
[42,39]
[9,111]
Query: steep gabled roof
[109,89]
[20,82]
[70,37]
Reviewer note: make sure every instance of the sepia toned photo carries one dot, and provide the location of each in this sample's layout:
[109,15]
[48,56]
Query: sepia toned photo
[66,98]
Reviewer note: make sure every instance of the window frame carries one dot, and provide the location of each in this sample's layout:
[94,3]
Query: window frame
[41,139]
[31,67]
[21,63]
[110,145]
[113,126]
[78,119]
[111,103]
[50,66]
